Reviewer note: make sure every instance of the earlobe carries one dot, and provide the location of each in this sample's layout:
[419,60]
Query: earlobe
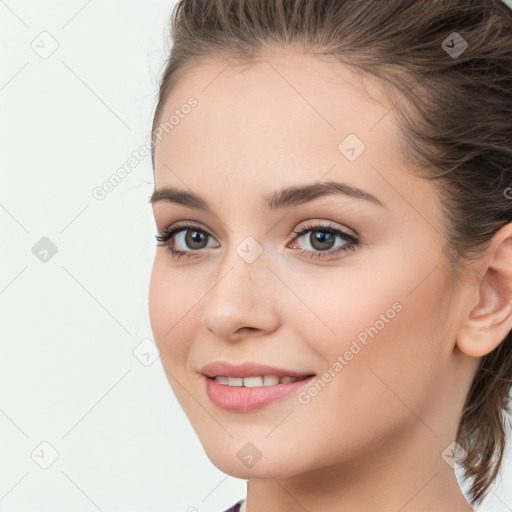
[489,321]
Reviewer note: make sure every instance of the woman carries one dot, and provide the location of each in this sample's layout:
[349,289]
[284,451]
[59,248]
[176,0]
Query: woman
[331,294]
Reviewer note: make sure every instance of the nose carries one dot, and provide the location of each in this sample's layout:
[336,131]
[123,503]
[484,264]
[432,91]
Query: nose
[240,303]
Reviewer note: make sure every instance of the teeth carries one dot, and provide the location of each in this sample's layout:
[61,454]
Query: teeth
[251,382]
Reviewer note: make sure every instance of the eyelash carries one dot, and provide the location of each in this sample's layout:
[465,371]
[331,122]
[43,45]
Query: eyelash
[353,242]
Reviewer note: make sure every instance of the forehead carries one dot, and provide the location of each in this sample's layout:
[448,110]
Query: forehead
[285,119]
[283,101]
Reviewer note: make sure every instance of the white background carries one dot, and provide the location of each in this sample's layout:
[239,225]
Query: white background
[69,326]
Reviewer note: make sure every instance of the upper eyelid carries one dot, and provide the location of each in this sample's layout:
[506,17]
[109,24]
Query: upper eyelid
[306,223]
[309,225]
[319,224]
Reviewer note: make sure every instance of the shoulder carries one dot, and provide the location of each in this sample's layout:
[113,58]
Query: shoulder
[239,506]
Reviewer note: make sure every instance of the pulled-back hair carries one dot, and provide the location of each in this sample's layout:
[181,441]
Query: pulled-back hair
[455,119]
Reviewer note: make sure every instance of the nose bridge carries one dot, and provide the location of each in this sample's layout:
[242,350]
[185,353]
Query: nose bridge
[239,296]
[242,271]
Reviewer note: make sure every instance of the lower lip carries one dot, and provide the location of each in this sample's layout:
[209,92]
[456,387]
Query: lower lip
[245,399]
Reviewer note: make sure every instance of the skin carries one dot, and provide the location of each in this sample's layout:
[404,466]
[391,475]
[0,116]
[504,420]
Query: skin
[373,437]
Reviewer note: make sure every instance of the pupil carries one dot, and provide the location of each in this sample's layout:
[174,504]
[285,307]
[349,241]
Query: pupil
[322,237]
[196,238]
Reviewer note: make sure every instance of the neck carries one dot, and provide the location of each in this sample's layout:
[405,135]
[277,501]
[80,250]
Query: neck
[390,478]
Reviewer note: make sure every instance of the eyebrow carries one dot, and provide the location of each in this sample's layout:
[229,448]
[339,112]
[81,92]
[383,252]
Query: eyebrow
[287,197]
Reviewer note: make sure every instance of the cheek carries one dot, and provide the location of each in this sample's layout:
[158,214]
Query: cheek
[172,302]
[171,299]
[380,338]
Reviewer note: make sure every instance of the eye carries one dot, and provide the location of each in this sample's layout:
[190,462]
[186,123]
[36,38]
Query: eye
[322,242]
[322,239]
[183,234]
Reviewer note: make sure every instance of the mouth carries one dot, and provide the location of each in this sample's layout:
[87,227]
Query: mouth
[258,380]
[250,369]
[246,394]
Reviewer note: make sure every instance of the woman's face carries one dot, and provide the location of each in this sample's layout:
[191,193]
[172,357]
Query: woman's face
[374,317]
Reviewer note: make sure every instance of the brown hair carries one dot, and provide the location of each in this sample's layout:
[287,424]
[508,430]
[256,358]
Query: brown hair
[455,113]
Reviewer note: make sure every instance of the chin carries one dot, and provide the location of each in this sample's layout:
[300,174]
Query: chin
[243,460]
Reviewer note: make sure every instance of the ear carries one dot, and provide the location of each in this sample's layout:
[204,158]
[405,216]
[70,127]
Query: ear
[490,320]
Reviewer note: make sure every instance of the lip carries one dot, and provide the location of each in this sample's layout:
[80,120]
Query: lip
[248,369]
[247,399]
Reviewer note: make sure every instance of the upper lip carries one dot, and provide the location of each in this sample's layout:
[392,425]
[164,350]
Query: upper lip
[248,369]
